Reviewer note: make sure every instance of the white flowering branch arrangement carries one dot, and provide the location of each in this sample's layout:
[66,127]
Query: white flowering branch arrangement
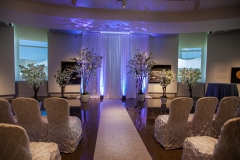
[189,78]
[34,75]
[63,77]
[166,77]
[88,62]
[139,67]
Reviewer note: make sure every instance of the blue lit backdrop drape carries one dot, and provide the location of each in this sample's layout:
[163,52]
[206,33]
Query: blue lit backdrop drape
[112,79]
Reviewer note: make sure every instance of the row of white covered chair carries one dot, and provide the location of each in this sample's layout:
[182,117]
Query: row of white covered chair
[171,130]
[57,126]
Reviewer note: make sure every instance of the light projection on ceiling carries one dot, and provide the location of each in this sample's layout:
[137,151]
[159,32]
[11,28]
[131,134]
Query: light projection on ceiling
[110,25]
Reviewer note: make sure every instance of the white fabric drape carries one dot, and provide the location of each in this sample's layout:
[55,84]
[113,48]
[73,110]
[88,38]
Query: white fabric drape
[112,79]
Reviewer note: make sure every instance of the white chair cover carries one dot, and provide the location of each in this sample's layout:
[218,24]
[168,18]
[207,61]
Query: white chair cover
[29,117]
[226,110]
[227,147]
[44,151]
[237,114]
[64,130]
[6,115]
[198,148]
[171,130]
[15,145]
[200,123]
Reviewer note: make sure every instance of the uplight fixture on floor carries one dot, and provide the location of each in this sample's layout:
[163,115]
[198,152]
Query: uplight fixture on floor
[101,98]
[124,3]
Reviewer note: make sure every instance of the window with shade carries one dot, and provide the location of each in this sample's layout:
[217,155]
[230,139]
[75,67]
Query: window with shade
[190,58]
[35,52]
[31,46]
[192,52]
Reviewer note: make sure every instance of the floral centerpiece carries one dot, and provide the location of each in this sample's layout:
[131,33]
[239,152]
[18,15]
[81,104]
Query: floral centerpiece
[166,77]
[88,62]
[34,75]
[189,78]
[140,66]
[63,79]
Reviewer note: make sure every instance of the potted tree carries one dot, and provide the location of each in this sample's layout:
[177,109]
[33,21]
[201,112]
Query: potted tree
[87,63]
[140,66]
[166,77]
[63,79]
[189,78]
[34,75]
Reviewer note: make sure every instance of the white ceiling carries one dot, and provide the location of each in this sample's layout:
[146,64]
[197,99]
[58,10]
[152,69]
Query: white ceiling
[140,16]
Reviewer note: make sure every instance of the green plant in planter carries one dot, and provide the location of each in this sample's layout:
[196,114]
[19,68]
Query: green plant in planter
[34,75]
[140,66]
[166,77]
[189,78]
[88,62]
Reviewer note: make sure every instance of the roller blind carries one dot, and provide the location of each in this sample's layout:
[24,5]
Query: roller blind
[31,46]
[192,52]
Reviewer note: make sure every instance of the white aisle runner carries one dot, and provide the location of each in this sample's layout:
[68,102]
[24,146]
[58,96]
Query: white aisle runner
[117,137]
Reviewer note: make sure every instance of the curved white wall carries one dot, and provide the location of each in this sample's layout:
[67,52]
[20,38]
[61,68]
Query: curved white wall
[165,52]
[223,51]
[7,81]
[61,47]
